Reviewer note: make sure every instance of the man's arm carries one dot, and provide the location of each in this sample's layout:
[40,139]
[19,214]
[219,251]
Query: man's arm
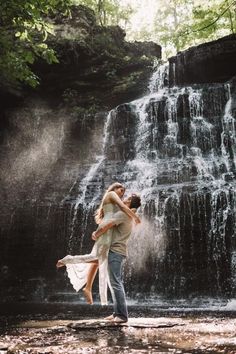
[101,230]
[118,218]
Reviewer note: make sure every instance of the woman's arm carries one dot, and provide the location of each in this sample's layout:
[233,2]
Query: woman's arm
[102,229]
[113,197]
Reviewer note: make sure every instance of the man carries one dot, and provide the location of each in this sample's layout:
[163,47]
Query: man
[122,225]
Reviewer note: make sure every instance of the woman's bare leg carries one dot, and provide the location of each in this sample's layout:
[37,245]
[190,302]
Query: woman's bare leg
[90,279]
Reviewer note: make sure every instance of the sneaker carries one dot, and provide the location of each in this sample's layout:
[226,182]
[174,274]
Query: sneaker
[109,318]
[119,320]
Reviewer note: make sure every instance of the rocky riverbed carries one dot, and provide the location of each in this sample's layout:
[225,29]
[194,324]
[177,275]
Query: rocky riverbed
[79,329]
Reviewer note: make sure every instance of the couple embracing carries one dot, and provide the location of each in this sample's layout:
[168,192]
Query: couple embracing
[114,218]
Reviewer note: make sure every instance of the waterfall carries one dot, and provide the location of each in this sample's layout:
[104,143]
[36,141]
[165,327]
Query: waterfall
[159,78]
[183,156]
[86,198]
[228,136]
[176,148]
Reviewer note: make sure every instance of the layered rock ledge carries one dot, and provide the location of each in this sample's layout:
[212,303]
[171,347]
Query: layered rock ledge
[206,63]
[97,66]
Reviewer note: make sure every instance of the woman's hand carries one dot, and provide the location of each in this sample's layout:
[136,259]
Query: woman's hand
[137,220]
[94,237]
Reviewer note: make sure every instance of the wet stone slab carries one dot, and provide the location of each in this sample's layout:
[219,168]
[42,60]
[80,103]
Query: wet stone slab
[133,322]
[140,335]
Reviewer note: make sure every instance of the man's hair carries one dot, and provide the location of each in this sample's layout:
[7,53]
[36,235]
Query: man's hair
[135,201]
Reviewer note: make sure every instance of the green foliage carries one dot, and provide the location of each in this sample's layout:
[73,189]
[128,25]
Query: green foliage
[213,20]
[108,12]
[127,82]
[71,98]
[80,112]
[104,44]
[23,32]
[179,24]
[169,22]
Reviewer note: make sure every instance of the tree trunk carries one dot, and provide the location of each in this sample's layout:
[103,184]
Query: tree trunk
[100,7]
[176,22]
[230,18]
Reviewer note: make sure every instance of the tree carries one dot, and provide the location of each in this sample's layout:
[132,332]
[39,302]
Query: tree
[195,22]
[108,12]
[179,24]
[23,32]
[214,19]
[171,20]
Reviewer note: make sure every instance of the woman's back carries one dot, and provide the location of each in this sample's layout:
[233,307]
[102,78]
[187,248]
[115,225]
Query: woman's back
[108,210]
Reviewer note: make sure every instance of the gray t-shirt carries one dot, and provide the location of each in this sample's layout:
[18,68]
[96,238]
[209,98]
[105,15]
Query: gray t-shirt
[121,232]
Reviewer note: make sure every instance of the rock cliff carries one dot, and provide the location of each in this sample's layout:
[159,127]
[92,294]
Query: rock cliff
[205,63]
[60,150]
[97,67]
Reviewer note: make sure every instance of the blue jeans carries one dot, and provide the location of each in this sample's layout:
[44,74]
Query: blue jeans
[115,261]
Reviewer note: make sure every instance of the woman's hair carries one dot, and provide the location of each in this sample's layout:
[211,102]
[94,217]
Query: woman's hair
[135,201]
[99,214]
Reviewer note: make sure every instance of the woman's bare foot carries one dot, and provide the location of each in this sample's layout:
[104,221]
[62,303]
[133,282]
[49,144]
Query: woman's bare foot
[88,296]
[60,264]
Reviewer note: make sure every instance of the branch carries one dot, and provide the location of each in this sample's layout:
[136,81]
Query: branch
[210,24]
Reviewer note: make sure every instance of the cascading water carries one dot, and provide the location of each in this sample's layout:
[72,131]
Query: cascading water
[86,199]
[175,147]
[228,136]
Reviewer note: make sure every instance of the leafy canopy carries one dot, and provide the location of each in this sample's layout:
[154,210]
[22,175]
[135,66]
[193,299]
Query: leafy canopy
[174,24]
[23,31]
[179,24]
[109,12]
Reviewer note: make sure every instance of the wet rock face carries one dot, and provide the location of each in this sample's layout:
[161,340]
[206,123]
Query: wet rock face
[182,163]
[198,256]
[97,66]
[213,101]
[176,147]
[80,17]
[205,63]
[121,134]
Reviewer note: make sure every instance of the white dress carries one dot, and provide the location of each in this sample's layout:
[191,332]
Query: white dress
[78,266]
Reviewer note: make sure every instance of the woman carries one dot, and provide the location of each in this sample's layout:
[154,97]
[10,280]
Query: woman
[79,268]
